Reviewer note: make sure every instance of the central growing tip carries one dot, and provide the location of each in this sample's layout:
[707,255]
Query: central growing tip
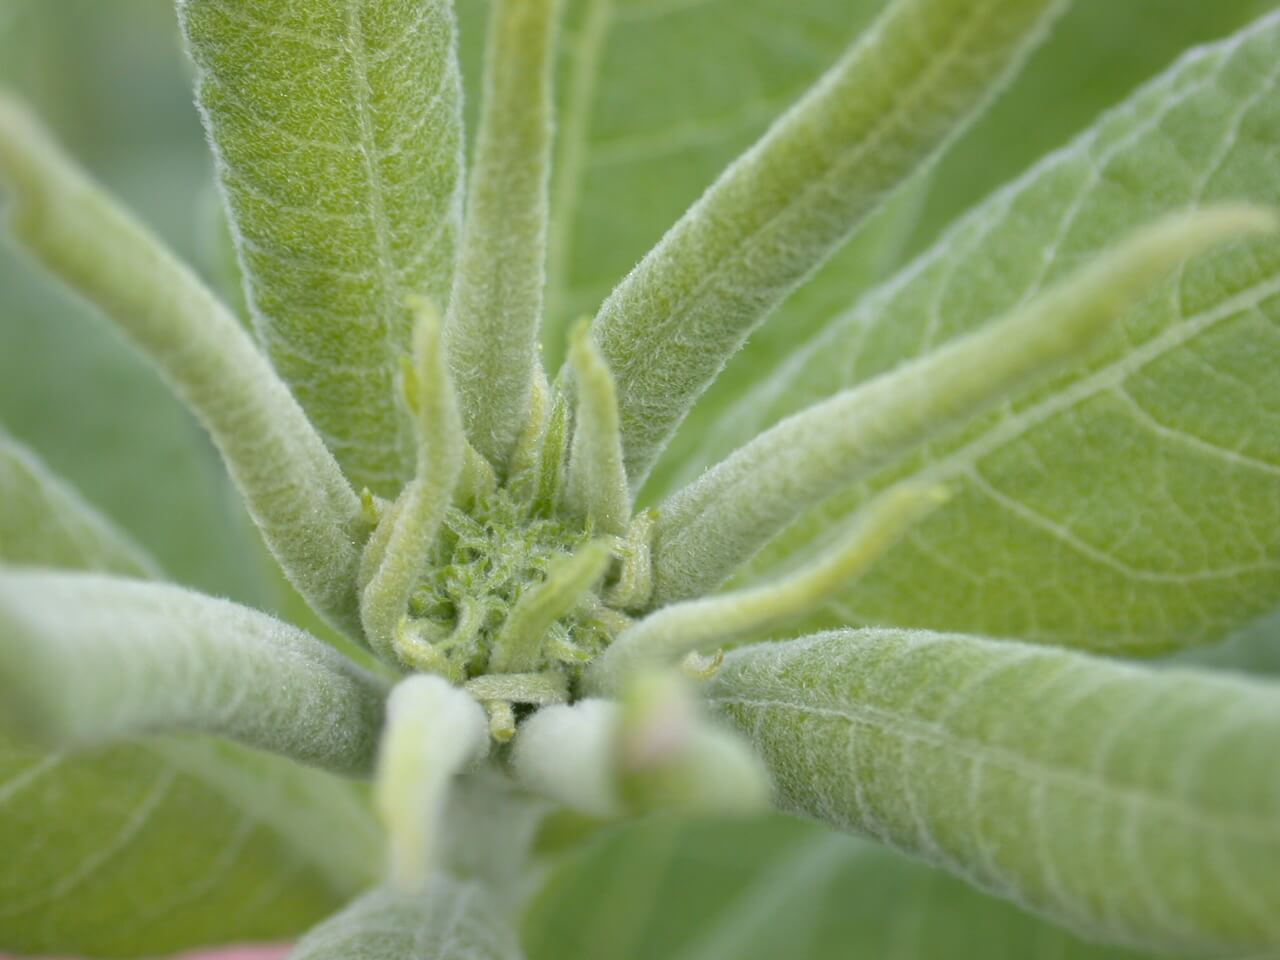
[515,603]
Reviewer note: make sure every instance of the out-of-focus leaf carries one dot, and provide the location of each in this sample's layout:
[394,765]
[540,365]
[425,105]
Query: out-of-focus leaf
[772,887]
[448,920]
[164,845]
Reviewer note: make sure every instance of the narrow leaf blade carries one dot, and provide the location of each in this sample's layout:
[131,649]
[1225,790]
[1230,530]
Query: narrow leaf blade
[338,133]
[1141,807]
[922,72]
[1140,489]
[86,659]
[307,512]
[495,313]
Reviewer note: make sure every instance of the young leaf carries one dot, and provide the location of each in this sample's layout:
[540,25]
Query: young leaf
[496,308]
[338,134]
[1137,806]
[768,888]
[707,530]
[921,73]
[433,732]
[695,625]
[86,659]
[46,523]
[306,511]
[149,848]
[399,550]
[450,920]
[1141,489]
[596,487]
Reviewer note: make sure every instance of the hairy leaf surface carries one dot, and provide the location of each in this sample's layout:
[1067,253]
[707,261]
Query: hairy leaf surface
[449,920]
[1141,491]
[337,128]
[85,659]
[159,845]
[781,209]
[1136,805]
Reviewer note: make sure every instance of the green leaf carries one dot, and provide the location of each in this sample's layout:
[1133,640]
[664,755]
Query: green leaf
[496,308]
[888,107]
[450,920]
[1134,805]
[708,529]
[1113,483]
[87,659]
[44,522]
[308,514]
[636,143]
[338,133]
[160,845]
[163,845]
[769,888]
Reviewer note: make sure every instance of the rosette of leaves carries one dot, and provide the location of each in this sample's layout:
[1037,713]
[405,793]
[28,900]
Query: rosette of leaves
[898,583]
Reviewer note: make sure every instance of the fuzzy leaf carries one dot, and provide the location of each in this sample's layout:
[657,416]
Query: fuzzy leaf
[450,920]
[338,133]
[163,845]
[44,522]
[86,659]
[496,310]
[921,73]
[1138,806]
[711,527]
[1141,489]
[769,888]
[152,847]
[307,512]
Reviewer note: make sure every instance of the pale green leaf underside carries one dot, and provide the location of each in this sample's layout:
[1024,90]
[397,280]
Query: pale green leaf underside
[44,522]
[450,920]
[922,72]
[152,847]
[86,659]
[770,888]
[1142,491]
[160,845]
[337,128]
[1138,806]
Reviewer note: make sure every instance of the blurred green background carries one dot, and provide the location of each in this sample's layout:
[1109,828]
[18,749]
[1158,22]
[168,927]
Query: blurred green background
[110,78]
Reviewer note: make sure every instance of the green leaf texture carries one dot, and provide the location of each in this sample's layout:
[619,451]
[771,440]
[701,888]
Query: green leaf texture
[1138,806]
[151,847]
[769,888]
[1141,491]
[154,846]
[86,659]
[337,129]
[449,920]
[779,211]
